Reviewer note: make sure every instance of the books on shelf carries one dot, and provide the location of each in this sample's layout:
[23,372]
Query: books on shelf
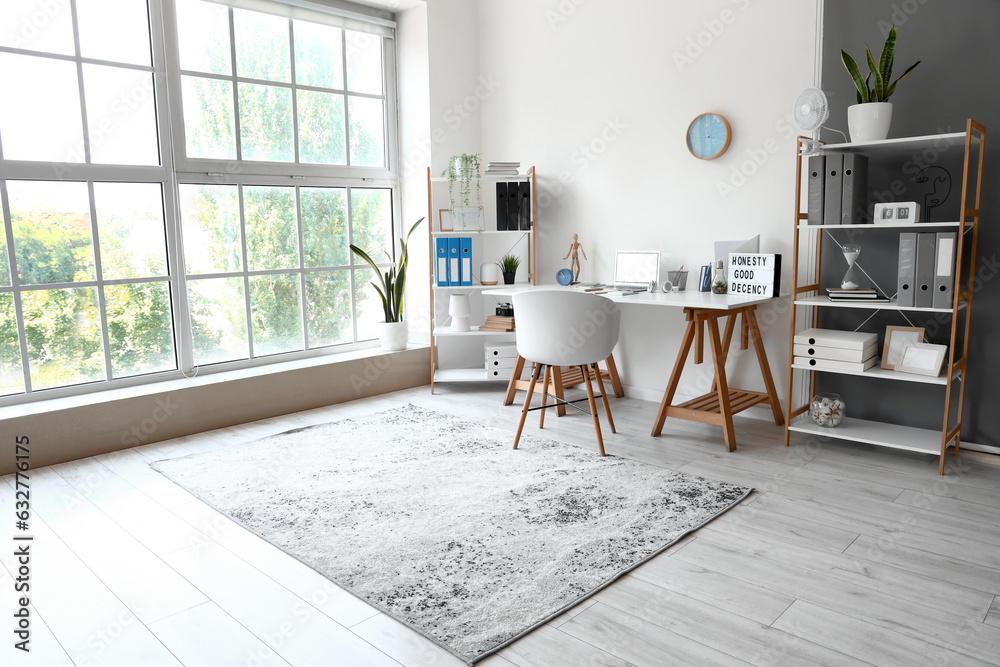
[503,168]
[865,294]
[498,323]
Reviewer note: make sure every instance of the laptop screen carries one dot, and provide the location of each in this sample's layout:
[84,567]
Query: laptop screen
[637,267]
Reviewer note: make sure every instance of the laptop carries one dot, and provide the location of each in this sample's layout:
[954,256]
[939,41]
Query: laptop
[635,269]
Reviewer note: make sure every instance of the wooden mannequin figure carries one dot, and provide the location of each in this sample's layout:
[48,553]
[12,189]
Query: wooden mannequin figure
[574,266]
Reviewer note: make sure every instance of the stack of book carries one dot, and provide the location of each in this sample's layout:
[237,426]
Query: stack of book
[863,294]
[498,323]
[833,350]
[503,168]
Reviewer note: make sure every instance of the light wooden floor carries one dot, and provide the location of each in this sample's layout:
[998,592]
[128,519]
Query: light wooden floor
[845,554]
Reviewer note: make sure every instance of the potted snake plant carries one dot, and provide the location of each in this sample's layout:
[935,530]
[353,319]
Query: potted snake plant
[394,331]
[869,119]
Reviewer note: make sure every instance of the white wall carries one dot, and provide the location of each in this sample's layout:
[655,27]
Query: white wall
[598,96]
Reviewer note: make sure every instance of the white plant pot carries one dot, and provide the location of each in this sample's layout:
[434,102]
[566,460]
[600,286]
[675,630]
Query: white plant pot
[869,122]
[489,274]
[393,335]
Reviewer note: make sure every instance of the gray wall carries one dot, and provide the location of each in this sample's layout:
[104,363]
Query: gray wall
[955,40]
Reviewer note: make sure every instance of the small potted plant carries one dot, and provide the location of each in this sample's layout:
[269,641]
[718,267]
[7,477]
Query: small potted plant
[869,119]
[508,267]
[464,190]
[393,332]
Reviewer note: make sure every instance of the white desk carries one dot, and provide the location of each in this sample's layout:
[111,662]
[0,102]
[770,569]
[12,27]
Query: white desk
[702,311]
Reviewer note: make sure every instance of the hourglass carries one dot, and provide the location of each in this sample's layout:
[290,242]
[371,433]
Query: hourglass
[851,252]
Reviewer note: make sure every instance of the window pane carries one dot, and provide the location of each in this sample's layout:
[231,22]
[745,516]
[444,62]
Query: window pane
[121,116]
[218,320]
[131,231]
[37,25]
[324,226]
[368,304]
[319,59]
[4,263]
[328,308]
[116,30]
[321,128]
[371,217]
[208,118]
[272,237]
[262,46]
[203,36]
[367,133]
[210,222]
[63,331]
[139,328]
[52,234]
[266,123]
[48,128]
[11,373]
[276,314]
[364,62]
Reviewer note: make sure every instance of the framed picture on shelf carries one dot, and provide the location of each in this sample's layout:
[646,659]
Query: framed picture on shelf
[895,338]
[445,222]
[921,358]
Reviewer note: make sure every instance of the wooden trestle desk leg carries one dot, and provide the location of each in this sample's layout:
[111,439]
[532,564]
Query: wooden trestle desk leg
[719,405]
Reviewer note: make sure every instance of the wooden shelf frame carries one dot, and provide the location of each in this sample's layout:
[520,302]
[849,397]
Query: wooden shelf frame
[473,374]
[807,295]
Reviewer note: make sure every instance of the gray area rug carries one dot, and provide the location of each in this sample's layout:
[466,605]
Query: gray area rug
[439,523]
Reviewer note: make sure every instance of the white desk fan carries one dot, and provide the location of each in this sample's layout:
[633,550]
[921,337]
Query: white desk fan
[810,112]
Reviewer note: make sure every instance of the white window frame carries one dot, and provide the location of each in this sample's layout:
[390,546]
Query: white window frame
[176,168]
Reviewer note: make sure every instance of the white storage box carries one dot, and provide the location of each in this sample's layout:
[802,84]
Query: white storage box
[502,351]
[828,365]
[846,340]
[835,353]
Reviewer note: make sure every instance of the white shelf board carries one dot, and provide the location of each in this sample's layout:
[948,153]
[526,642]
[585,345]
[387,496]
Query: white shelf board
[891,305]
[488,177]
[465,375]
[878,372]
[471,288]
[445,331]
[480,232]
[899,225]
[895,436]
[938,140]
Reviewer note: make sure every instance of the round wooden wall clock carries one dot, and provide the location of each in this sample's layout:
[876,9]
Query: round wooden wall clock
[708,136]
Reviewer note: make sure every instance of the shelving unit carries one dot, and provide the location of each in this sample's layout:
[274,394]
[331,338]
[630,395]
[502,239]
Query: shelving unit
[809,297]
[441,335]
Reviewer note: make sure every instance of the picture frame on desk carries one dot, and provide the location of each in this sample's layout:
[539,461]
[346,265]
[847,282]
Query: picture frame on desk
[921,358]
[895,339]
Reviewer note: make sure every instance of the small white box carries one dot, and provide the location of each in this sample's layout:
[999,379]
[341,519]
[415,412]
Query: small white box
[502,351]
[835,353]
[827,365]
[847,340]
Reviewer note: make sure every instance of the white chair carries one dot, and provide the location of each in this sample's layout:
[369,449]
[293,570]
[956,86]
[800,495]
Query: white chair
[559,328]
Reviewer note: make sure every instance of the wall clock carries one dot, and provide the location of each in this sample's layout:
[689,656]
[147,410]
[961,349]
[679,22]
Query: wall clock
[708,136]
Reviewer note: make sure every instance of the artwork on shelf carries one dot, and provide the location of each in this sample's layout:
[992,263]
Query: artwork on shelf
[895,338]
[921,358]
[895,213]
[445,222]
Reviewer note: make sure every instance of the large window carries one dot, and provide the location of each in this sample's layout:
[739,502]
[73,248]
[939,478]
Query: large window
[180,181]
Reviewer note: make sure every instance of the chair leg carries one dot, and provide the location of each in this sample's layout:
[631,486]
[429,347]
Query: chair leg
[604,398]
[527,403]
[593,408]
[545,396]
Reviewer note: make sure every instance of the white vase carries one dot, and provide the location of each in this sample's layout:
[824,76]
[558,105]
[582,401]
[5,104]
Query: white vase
[869,122]
[393,335]
[489,274]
